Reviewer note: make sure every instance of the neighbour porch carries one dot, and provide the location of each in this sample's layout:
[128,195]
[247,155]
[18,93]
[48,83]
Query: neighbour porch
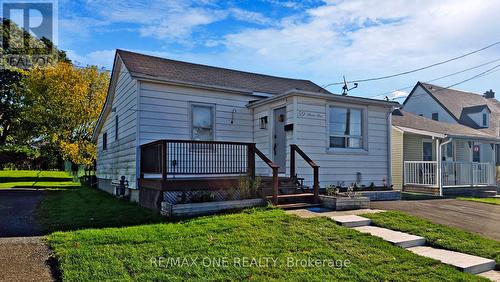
[450,166]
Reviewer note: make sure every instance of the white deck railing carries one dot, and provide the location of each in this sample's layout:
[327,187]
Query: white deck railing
[453,174]
[420,173]
[457,174]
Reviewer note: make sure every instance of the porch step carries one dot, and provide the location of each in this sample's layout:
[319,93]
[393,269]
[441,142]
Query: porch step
[297,206]
[464,262]
[397,238]
[351,221]
[294,198]
[487,194]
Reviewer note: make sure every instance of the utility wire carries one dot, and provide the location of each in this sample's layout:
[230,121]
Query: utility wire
[439,78]
[415,70]
[484,73]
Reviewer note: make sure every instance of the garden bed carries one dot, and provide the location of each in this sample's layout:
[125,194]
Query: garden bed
[340,203]
[197,209]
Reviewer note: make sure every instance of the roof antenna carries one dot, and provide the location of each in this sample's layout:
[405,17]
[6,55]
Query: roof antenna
[346,88]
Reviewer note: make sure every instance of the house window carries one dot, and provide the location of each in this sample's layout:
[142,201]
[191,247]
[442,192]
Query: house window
[105,141]
[485,119]
[427,151]
[346,128]
[435,116]
[116,127]
[448,152]
[202,122]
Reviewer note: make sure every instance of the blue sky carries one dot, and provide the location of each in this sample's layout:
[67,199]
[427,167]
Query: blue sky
[316,40]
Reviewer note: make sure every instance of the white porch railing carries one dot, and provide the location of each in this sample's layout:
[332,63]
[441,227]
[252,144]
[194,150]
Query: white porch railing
[457,174]
[420,173]
[453,174]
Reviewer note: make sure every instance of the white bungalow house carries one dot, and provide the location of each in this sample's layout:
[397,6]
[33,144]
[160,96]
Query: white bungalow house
[445,141]
[169,126]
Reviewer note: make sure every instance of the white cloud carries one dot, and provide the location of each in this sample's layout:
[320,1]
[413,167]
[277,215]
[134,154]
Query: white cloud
[369,38]
[101,58]
[355,38]
[248,16]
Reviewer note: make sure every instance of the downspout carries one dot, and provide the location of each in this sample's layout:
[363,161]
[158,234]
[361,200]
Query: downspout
[440,167]
[389,147]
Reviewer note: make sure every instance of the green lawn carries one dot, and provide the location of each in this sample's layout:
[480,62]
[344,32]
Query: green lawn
[70,209]
[222,247]
[36,179]
[493,201]
[439,235]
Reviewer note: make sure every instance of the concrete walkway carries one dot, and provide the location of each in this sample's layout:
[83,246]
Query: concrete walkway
[471,216]
[416,244]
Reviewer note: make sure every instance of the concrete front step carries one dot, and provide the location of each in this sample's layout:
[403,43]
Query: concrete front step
[351,221]
[295,206]
[464,262]
[487,194]
[397,238]
[492,275]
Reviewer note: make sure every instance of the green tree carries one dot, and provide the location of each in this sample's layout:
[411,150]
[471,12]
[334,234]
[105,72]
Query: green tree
[64,105]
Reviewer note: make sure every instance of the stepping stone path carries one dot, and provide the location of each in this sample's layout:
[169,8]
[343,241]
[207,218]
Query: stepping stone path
[416,244]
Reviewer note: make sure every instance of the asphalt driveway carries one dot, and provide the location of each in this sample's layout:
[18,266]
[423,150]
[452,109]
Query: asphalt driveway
[17,212]
[23,255]
[471,216]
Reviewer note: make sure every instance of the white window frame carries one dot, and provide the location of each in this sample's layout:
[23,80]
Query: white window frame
[483,119]
[364,129]
[206,105]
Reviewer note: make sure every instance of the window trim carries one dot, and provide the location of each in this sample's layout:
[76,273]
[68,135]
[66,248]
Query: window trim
[364,129]
[190,113]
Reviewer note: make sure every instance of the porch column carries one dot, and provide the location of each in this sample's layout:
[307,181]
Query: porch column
[438,166]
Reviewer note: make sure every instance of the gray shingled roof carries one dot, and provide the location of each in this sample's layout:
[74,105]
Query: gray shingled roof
[177,71]
[402,118]
[458,103]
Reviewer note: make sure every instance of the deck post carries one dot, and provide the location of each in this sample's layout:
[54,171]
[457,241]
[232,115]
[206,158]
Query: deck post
[251,160]
[292,160]
[163,160]
[275,185]
[316,183]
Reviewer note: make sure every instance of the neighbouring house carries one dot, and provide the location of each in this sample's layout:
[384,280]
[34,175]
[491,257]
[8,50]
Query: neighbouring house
[170,126]
[445,141]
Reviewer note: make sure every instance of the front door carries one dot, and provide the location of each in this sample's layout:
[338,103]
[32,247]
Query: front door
[279,139]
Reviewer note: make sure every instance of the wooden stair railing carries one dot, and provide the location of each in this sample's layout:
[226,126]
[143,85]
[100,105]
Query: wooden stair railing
[295,149]
[252,151]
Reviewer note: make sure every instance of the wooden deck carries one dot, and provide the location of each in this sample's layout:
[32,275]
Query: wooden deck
[471,216]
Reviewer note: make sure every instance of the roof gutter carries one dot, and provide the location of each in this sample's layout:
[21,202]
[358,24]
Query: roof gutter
[332,97]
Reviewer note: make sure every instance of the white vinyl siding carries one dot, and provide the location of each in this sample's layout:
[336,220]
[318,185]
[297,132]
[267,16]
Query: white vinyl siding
[311,135]
[397,158]
[119,158]
[421,103]
[165,113]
